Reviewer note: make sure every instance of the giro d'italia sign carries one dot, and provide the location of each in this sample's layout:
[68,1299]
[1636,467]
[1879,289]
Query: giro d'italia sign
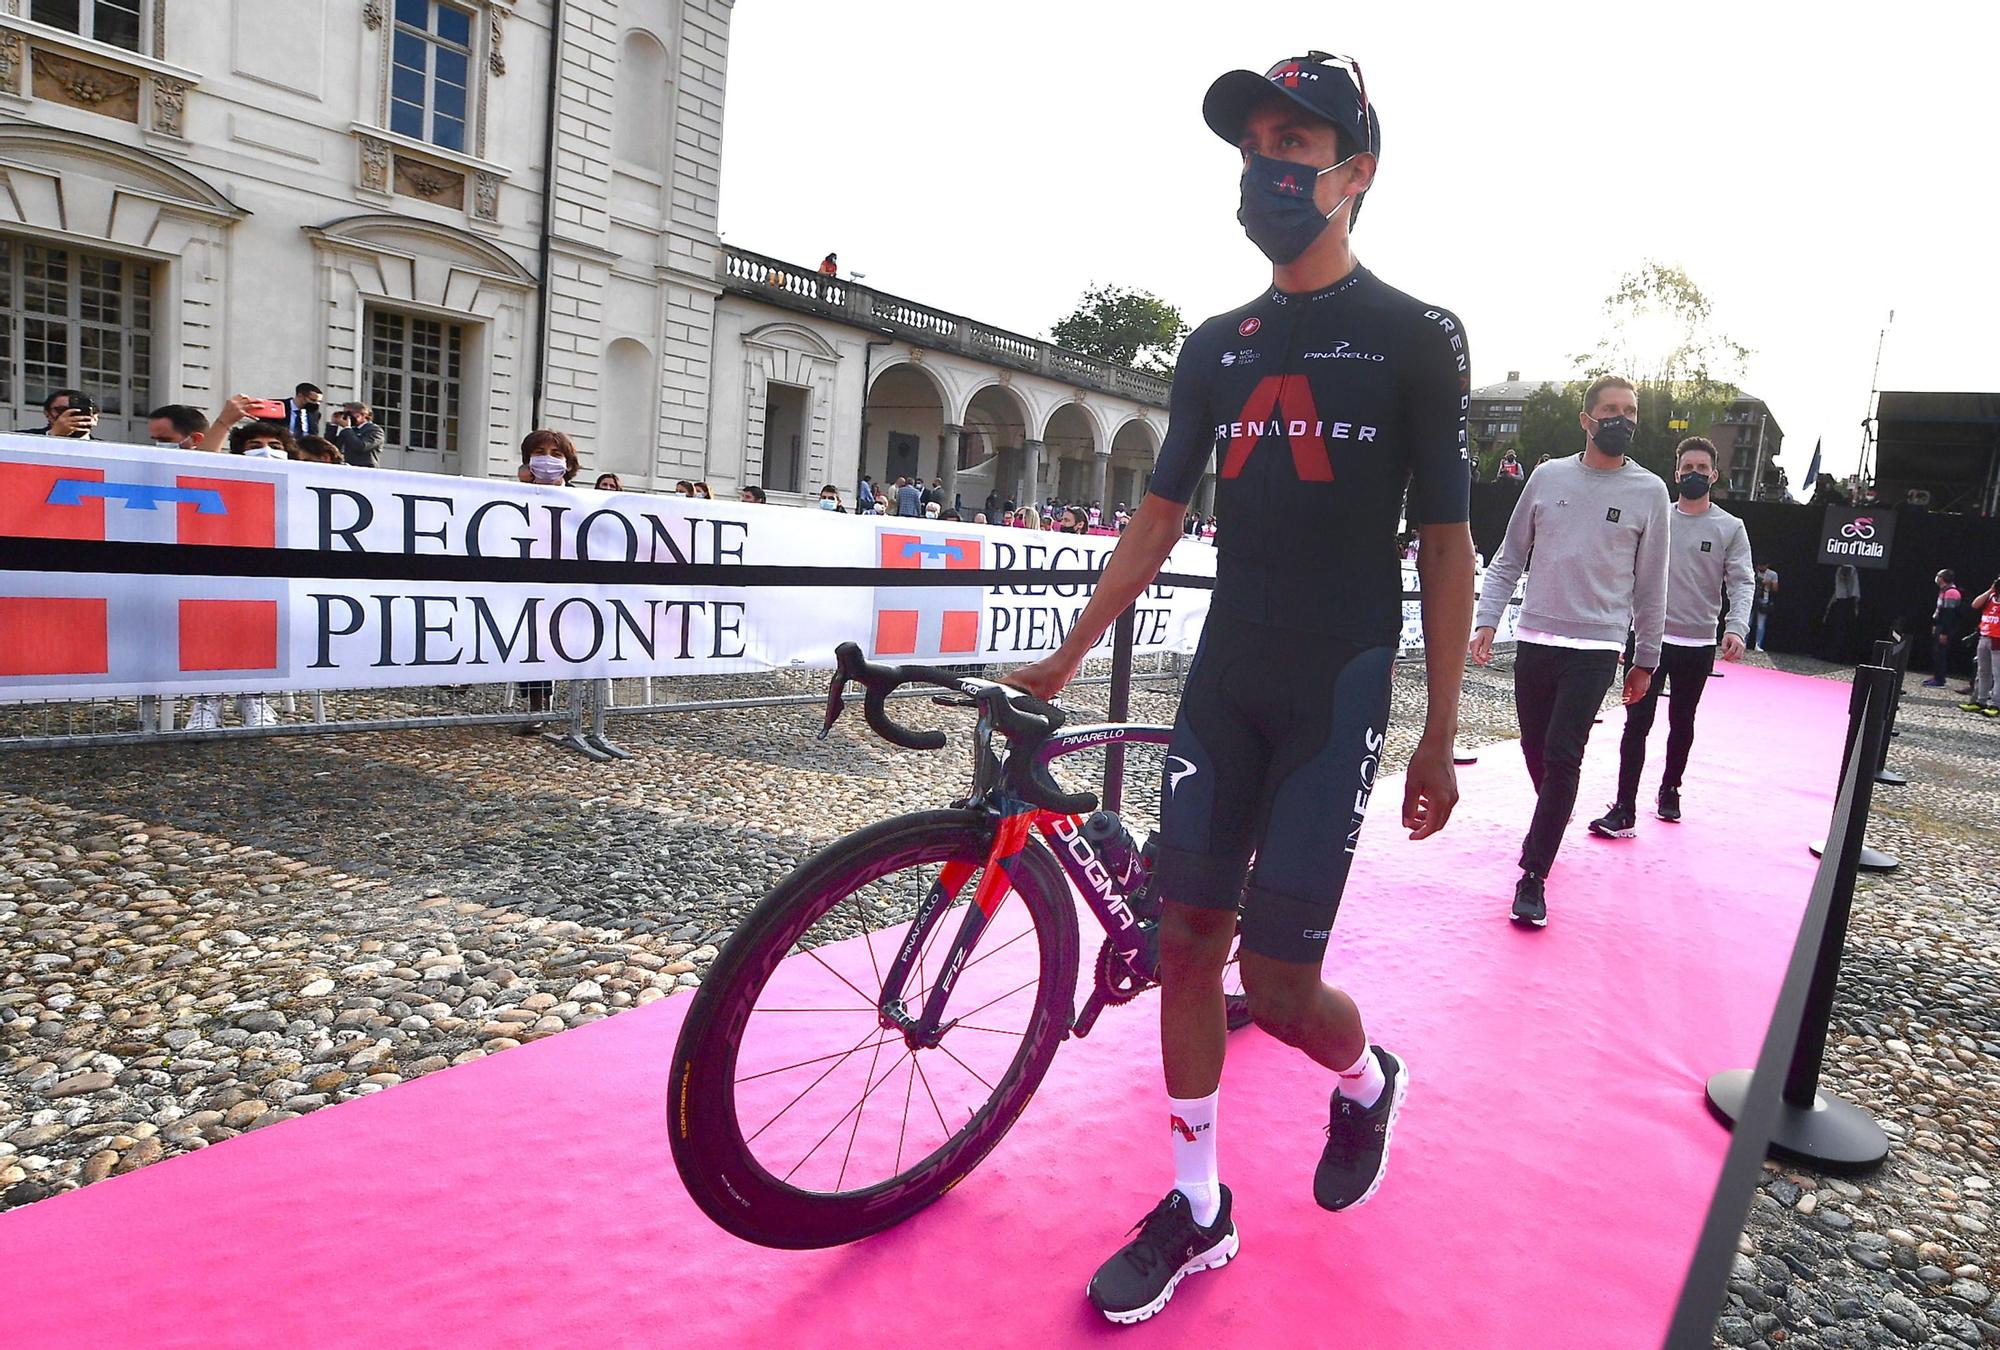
[1857,534]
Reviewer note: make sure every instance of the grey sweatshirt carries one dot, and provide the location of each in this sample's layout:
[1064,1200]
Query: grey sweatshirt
[1710,550]
[1599,539]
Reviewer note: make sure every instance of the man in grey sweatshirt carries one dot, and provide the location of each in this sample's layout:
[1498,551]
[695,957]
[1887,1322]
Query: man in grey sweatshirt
[1597,525]
[1710,551]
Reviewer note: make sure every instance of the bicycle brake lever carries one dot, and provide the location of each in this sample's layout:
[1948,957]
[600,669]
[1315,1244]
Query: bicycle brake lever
[835,705]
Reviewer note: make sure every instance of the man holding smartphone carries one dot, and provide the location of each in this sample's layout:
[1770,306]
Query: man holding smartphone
[70,414]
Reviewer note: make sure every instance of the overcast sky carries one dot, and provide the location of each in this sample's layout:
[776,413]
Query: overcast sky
[1811,170]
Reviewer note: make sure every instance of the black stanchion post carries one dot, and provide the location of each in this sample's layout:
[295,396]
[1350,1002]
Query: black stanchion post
[1885,655]
[1120,709]
[1813,1126]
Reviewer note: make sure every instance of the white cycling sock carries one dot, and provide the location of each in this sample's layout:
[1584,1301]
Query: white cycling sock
[1361,1082]
[1191,1121]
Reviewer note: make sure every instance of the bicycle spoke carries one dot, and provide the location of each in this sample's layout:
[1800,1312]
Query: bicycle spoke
[858,1045]
[842,1121]
[909,1086]
[854,1133]
[918,1064]
[889,1035]
[968,1068]
[974,1012]
[997,950]
[837,975]
[997,1031]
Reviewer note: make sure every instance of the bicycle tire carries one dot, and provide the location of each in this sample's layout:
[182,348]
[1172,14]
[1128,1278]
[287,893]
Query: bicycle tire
[722,1175]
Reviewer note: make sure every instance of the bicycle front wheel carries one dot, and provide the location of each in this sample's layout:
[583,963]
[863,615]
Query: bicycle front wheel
[799,1115]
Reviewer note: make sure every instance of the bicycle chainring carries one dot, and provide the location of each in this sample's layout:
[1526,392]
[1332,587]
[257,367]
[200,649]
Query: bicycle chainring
[1118,982]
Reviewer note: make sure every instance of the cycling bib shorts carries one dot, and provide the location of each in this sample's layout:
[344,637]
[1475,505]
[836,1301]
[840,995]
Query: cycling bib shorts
[1273,754]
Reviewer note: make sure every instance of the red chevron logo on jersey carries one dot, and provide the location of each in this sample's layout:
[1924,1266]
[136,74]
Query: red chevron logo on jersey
[1280,404]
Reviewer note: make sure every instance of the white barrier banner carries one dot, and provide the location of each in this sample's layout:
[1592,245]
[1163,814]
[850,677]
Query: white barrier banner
[66,635]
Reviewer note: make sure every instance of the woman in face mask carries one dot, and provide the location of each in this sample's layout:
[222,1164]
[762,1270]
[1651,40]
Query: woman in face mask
[548,458]
[608,482]
[262,440]
[701,491]
[829,499]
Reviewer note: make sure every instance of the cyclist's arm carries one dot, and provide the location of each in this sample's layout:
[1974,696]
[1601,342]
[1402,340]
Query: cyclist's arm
[1142,550]
[1444,566]
[1155,527]
[1440,499]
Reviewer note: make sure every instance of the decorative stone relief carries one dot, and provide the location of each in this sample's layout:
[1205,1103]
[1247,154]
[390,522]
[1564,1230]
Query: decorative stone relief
[169,104]
[374,164]
[10,61]
[486,195]
[430,183]
[372,14]
[92,88]
[495,32]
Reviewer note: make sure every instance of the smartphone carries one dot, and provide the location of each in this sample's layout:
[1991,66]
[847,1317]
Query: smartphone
[83,405]
[268,409]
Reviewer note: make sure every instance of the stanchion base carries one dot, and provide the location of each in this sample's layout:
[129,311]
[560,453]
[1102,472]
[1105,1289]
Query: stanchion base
[1890,778]
[1460,755]
[1832,1133]
[1872,859]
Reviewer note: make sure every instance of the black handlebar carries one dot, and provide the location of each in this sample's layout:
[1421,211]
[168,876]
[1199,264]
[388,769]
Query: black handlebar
[1023,719]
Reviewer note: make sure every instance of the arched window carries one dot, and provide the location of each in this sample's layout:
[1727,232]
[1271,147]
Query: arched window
[639,133]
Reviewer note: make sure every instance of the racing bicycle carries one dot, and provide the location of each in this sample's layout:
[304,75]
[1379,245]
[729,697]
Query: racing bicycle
[879,1021]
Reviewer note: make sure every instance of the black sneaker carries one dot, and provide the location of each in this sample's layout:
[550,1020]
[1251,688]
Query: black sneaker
[1670,803]
[1529,904]
[1357,1140]
[1616,823]
[1137,1281]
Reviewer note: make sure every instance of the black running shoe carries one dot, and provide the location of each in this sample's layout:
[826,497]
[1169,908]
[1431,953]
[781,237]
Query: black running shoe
[1529,904]
[1616,823]
[1137,1281]
[1357,1140]
[1670,803]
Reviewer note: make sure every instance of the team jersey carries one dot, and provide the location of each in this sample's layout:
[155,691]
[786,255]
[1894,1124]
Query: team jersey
[1320,411]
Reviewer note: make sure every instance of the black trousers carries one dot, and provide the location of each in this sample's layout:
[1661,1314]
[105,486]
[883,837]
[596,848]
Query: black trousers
[1557,691]
[1687,669]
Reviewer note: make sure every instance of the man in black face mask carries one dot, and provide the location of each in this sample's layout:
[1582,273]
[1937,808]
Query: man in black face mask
[1322,402]
[1597,525]
[1710,552]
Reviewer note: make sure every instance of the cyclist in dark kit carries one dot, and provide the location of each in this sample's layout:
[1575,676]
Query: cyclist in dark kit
[1322,401]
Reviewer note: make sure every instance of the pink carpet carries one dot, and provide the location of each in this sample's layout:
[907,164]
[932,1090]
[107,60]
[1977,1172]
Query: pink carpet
[1548,1178]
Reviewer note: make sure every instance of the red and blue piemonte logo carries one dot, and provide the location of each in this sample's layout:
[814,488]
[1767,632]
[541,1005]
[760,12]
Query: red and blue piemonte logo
[928,621]
[176,631]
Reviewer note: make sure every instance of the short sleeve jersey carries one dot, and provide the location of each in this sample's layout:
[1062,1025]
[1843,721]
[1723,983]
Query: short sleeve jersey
[1320,411]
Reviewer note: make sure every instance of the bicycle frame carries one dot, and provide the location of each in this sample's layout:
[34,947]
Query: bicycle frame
[995,790]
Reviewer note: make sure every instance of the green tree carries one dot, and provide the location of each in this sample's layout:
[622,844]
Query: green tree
[1661,333]
[1121,323]
[1548,424]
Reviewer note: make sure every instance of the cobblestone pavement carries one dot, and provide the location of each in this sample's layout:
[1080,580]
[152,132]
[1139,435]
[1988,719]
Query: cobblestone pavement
[201,939]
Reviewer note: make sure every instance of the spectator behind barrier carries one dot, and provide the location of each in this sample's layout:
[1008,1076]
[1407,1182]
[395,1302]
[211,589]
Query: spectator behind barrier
[177,427]
[317,450]
[753,496]
[608,482]
[549,458]
[303,410]
[68,413]
[684,488]
[829,499]
[701,491]
[263,439]
[359,437]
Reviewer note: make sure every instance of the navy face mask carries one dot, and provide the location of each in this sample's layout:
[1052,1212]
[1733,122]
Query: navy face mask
[1278,212]
[1614,435]
[1694,486]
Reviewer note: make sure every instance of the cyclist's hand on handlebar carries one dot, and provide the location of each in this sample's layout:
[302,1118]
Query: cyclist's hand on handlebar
[1044,678]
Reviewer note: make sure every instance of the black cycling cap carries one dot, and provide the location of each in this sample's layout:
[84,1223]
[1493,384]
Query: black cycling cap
[1327,86]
